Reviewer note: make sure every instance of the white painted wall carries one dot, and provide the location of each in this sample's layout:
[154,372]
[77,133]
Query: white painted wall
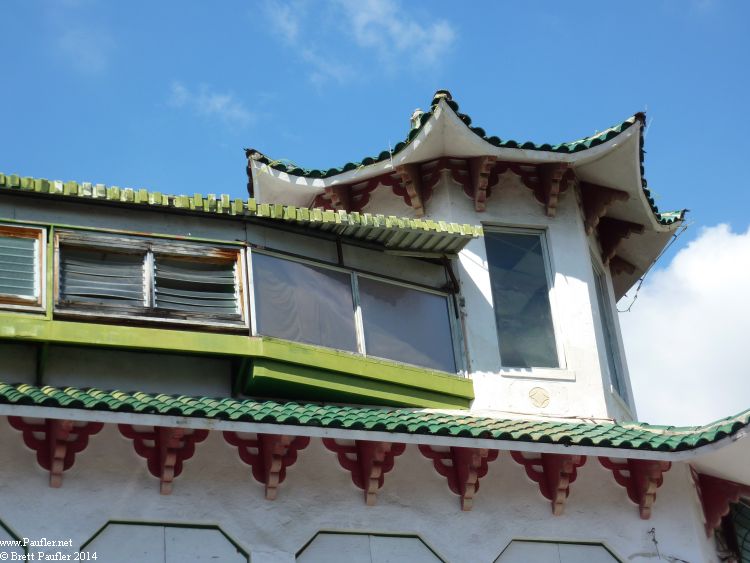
[110,482]
[581,387]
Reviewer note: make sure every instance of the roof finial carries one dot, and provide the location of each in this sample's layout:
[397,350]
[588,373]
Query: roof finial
[416,118]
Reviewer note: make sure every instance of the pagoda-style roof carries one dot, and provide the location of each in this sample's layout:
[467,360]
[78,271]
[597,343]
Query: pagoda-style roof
[388,232]
[608,167]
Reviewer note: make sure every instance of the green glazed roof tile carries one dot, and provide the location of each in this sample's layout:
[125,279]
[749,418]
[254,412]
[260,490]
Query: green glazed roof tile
[629,435]
[391,232]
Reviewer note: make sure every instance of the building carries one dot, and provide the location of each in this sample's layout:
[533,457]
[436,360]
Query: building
[329,370]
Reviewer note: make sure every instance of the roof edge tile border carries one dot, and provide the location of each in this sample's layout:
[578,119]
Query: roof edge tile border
[429,422]
[223,204]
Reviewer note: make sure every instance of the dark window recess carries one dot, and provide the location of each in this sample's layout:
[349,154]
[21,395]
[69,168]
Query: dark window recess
[520,292]
[18,267]
[102,277]
[191,286]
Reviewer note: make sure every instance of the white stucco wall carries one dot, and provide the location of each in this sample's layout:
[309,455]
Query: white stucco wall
[581,387]
[110,482]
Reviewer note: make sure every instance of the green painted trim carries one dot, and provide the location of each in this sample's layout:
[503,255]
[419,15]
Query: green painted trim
[563,542]
[371,372]
[364,533]
[216,527]
[279,379]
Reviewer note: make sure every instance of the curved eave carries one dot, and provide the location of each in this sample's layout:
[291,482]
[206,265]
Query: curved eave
[721,448]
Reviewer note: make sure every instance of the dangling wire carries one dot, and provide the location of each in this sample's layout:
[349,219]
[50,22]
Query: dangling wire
[675,236]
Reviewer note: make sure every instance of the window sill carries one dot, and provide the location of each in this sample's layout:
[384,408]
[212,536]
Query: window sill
[555,374]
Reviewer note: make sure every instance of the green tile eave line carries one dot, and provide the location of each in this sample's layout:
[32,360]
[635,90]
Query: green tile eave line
[329,416]
[241,208]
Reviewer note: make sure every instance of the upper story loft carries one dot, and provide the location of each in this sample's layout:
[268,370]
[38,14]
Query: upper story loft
[325,300]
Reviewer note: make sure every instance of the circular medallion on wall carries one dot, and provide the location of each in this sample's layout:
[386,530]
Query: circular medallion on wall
[539,397]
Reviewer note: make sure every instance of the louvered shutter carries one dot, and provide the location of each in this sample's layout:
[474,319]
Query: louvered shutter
[102,277]
[19,266]
[192,285]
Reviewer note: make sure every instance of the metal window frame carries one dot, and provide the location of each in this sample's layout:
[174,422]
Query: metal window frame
[605,307]
[549,271]
[357,309]
[148,248]
[16,302]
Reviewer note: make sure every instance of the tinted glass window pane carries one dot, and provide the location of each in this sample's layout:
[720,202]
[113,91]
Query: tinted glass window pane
[303,303]
[521,295]
[101,277]
[195,286]
[18,266]
[610,346]
[406,325]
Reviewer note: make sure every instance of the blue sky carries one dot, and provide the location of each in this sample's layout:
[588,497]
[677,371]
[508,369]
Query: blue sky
[165,95]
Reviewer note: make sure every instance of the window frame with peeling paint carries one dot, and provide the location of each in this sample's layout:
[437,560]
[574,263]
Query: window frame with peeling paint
[150,250]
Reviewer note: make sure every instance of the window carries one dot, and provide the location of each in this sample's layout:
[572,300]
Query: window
[123,542]
[520,291]
[611,347]
[147,279]
[522,551]
[21,267]
[332,307]
[405,324]
[331,547]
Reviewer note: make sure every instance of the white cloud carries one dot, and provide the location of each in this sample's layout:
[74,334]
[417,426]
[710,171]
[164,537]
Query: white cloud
[384,25]
[211,104]
[87,50]
[687,335]
[383,28]
[285,18]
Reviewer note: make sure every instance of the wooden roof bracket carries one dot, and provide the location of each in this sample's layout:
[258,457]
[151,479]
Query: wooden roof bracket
[618,265]
[60,442]
[368,462]
[716,496]
[411,180]
[268,455]
[553,473]
[553,181]
[462,467]
[480,168]
[164,449]
[340,197]
[596,200]
[641,478]
[611,234]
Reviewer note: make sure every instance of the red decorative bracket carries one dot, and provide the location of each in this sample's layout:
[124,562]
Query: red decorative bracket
[716,495]
[481,169]
[640,477]
[611,234]
[462,467]
[165,449]
[56,442]
[411,190]
[553,181]
[368,462]
[553,473]
[269,455]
